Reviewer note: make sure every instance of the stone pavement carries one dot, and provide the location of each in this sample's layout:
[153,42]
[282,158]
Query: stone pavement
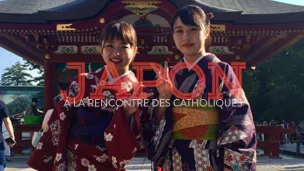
[143,164]
[285,164]
[19,164]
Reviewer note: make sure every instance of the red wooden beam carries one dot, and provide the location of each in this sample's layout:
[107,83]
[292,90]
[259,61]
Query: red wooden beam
[20,51]
[49,84]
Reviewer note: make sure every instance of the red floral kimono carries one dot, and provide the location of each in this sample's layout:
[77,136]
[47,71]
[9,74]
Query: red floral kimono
[89,138]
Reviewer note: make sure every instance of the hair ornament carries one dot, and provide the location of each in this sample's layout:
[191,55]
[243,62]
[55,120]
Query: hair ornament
[210,15]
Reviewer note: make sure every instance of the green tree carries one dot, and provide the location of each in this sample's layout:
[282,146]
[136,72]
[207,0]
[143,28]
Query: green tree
[32,66]
[286,82]
[251,87]
[16,75]
[18,105]
[275,88]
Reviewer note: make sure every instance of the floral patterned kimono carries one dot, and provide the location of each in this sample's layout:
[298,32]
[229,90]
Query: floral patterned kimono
[89,138]
[201,137]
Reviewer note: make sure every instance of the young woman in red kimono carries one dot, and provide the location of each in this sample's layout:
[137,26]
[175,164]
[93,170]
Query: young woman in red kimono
[95,137]
[201,136]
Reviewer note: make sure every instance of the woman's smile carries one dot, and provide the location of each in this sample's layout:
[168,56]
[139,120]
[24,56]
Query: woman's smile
[116,60]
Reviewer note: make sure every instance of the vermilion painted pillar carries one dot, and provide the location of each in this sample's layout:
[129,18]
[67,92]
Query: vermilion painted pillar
[49,84]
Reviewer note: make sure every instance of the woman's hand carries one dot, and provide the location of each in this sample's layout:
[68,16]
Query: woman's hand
[14,142]
[45,127]
[164,85]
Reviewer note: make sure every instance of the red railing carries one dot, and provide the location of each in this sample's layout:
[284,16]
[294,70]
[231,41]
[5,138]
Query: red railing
[272,139]
[18,135]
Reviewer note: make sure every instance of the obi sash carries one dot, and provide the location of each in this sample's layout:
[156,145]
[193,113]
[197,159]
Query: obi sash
[195,122]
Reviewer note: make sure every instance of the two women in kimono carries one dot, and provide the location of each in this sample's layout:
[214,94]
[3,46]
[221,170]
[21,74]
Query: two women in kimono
[99,136]
[187,137]
[204,133]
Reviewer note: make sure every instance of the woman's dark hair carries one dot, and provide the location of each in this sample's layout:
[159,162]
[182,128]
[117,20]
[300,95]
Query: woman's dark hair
[187,16]
[193,15]
[119,30]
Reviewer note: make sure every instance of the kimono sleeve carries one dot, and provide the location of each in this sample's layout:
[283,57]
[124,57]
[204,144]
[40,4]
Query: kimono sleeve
[236,136]
[50,152]
[123,137]
[158,135]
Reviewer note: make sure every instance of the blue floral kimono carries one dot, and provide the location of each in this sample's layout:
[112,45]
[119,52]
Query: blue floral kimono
[205,136]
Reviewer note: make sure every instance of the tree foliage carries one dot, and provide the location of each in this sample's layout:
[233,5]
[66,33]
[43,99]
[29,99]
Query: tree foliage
[275,87]
[32,66]
[16,75]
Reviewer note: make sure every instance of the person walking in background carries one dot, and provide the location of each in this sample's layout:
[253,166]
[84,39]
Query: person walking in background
[294,133]
[301,131]
[7,148]
[265,123]
[33,110]
[4,116]
[262,135]
[272,123]
[285,126]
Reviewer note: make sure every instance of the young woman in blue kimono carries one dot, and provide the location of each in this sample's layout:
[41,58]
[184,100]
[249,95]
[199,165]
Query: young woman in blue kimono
[201,136]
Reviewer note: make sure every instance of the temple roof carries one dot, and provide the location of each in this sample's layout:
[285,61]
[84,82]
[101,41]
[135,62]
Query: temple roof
[252,6]
[32,6]
[235,11]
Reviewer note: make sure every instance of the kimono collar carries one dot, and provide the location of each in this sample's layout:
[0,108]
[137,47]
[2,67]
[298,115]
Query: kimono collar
[190,66]
[112,80]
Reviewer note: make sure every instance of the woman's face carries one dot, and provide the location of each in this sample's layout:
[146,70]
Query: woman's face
[190,40]
[118,52]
